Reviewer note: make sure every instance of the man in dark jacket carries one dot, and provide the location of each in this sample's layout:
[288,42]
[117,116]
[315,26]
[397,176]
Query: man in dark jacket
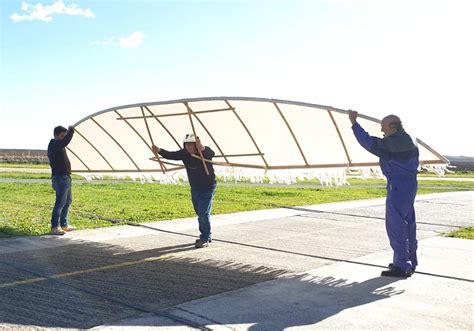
[399,160]
[203,186]
[61,179]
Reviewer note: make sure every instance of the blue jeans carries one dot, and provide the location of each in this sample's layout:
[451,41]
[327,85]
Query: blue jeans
[202,203]
[62,186]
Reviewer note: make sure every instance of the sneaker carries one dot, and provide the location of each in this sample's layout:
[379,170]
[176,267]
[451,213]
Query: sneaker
[68,228]
[396,272]
[201,244]
[57,231]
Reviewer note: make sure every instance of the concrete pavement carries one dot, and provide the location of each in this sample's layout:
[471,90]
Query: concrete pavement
[309,268]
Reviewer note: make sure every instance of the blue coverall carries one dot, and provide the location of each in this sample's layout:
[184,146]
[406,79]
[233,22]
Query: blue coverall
[399,160]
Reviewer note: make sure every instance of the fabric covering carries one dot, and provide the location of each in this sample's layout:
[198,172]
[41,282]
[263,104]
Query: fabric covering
[245,133]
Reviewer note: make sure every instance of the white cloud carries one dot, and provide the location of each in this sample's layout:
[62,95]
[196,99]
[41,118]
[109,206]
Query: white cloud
[132,41]
[45,13]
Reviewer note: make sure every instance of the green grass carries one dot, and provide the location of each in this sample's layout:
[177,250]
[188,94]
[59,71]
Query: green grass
[464,233]
[25,209]
[455,174]
[31,175]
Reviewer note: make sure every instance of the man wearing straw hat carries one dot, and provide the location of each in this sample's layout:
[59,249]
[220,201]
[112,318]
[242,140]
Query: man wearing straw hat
[399,159]
[202,182]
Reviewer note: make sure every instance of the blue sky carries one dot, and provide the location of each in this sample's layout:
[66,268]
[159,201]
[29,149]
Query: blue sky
[411,58]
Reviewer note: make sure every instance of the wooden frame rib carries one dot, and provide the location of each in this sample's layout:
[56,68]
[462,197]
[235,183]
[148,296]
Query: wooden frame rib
[349,161]
[292,133]
[118,144]
[229,164]
[433,151]
[163,126]
[151,140]
[194,132]
[212,138]
[165,162]
[248,132]
[134,130]
[72,152]
[95,148]
[309,166]
[239,155]
[98,171]
[179,114]
[138,133]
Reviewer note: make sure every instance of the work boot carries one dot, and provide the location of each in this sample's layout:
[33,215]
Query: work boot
[391,266]
[57,231]
[209,241]
[201,244]
[396,272]
[68,228]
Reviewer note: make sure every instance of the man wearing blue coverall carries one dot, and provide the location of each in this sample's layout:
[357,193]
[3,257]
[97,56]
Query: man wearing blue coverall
[399,160]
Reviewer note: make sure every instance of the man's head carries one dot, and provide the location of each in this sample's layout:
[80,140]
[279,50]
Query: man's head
[190,144]
[391,124]
[59,132]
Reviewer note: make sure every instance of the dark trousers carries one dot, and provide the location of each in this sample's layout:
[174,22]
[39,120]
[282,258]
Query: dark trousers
[202,203]
[62,186]
[400,222]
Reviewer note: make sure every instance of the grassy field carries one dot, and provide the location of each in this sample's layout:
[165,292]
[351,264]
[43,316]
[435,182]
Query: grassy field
[31,175]
[25,208]
[464,233]
[456,174]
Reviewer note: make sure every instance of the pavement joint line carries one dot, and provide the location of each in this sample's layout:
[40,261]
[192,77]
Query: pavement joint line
[307,215]
[443,203]
[202,317]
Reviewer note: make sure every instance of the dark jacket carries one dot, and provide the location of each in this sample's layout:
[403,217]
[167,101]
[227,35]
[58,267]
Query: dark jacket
[60,165]
[398,153]
[198,179]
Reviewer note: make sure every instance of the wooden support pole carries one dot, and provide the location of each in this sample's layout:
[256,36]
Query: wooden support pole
[291,132]
[151,140]
[194,132]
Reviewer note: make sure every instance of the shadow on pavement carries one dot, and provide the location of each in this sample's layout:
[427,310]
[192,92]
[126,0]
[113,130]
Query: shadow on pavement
[85,284]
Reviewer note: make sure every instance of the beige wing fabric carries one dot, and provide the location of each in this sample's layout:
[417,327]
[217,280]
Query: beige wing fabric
[249,133]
